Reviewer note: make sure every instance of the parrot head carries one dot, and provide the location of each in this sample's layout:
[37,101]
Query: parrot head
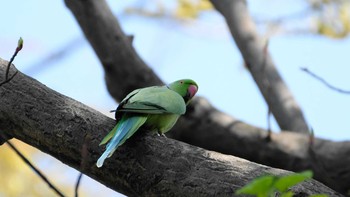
[187,88]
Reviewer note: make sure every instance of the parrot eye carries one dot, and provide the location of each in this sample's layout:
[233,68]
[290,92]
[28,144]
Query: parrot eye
[181,82]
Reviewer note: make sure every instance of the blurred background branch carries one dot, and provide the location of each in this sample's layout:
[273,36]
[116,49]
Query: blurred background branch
[325,82]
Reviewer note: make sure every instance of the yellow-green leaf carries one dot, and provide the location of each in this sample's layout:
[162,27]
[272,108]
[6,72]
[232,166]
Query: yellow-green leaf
[287,194]
[283,183]
[261,186]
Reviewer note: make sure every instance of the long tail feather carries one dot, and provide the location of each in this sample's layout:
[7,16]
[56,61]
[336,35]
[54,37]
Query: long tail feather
[125,129]
[109,135]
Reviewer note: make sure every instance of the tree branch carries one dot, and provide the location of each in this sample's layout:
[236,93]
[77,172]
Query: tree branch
[330,86]
[276,93]
[146,165]
[7,78]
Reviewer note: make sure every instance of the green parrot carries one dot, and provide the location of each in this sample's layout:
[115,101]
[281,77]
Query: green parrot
[155,108]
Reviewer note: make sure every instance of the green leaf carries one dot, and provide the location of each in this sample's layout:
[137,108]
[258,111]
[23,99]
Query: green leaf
[261,186]
[283,183]
[287,194]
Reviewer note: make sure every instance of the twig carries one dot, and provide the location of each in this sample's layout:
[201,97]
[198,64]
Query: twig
[325,82]
[77,184]
[18,48]
[26,161]
[9,79]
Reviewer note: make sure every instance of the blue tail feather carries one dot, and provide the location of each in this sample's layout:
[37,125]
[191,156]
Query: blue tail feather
[126,128]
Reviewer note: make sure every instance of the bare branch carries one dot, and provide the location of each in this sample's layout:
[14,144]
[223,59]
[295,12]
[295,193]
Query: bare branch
[77,185]
[325,82]
[18,48]
[6,80]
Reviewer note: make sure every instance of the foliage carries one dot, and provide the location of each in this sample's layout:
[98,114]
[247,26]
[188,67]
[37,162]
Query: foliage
[191,9]
[330,18]
[268,185]
[184,9]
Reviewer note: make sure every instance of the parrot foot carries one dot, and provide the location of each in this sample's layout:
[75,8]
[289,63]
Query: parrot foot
[161,134]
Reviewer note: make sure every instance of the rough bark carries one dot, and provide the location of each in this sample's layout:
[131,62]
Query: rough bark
[258,61]
[147,165]
[231,136]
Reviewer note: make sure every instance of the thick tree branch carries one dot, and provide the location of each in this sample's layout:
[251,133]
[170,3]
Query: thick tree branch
[146,165]
[276,93]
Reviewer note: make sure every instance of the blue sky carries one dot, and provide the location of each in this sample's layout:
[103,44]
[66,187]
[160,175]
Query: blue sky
[202,50]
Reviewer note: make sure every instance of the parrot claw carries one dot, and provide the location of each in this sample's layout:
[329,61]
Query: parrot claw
[161,134]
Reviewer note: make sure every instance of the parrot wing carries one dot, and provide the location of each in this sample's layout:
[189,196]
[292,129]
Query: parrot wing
[153,100]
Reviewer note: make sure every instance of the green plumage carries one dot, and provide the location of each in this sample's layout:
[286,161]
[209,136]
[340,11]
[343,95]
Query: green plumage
[154,100]
[156,108]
